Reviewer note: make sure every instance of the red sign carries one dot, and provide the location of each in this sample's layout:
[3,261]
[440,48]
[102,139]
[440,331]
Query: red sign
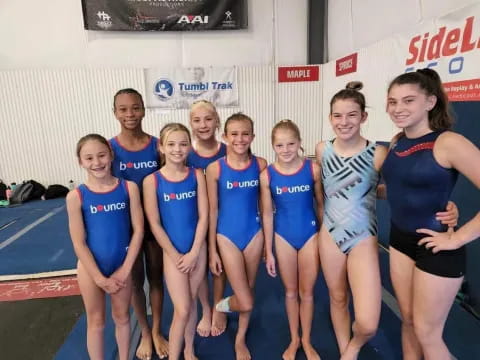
[298,73]
[466,90]
[443,43]
[346,65]
[36,289]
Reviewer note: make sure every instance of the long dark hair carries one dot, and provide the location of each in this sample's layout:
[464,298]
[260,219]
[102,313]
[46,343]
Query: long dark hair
[440,116]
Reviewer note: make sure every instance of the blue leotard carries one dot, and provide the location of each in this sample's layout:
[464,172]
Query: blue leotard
[107,225]
[201,162]
[178,207]
[293,197]
[417,186]
[238,191]
[350,189]
[134,165]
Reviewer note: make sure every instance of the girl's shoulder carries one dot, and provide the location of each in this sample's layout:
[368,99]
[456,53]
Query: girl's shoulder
[262,163]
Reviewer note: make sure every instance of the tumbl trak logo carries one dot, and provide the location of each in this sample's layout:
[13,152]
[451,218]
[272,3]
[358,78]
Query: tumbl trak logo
[138,165]
[292,189]
[94,209]
[179,196]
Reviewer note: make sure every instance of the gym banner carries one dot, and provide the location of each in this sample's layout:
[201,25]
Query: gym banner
[451,46]
[164,15]
[179,88]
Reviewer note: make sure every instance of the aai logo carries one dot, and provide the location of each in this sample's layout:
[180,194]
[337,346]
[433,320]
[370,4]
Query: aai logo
[163,89]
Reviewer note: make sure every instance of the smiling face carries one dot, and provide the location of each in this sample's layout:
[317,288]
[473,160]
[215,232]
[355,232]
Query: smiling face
[408,106]
[175,147]
[203,121]
[238,136]
[286,145]
[129,111]
[96,158]
[346,118]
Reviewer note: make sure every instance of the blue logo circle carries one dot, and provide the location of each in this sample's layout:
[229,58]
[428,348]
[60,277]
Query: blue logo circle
[163,89]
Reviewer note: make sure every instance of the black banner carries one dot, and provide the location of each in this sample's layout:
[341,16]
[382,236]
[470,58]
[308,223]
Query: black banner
[164,15]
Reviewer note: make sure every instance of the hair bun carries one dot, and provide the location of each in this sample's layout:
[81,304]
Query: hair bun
[354,85]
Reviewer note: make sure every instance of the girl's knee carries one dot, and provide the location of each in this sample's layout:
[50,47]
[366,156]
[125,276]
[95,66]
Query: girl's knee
[365,327]
[339,299]
[245,303]
[291,293]
[182,312]
[120,318]
[306,295]
[426,334]
[96,321]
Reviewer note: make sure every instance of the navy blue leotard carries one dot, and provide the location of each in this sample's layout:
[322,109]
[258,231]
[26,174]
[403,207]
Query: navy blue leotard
[107,225]
[201,162]
[293,197]
[178,207]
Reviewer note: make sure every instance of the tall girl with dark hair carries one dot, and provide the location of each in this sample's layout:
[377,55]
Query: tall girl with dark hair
[135,157]
[427,262]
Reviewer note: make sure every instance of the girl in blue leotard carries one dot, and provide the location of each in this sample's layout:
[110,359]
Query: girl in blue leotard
[106,226]
[136,156]
[204,123]
[176,206]
[233,194]
[290,185]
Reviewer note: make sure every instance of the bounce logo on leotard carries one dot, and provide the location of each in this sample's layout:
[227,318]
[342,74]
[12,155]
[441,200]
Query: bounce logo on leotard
[292,189]
[138,165]
[242,184]
[179,196]
[107,207]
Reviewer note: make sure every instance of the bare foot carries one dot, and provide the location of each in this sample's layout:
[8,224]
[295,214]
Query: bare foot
[310,351]
[241,351]
[161,345]
[189,355]
[219,323]
[205,324]
[291,350]
[144,350]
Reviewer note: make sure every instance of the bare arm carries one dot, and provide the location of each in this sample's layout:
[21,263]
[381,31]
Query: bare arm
[77,233]
[453,150]
[267,221]
[150,204]
[212,173]
[318,190]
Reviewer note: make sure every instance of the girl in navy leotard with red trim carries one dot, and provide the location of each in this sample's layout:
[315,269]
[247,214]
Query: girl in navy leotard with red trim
[176,206]
[106,226]
[290,185]
[420,172]
[204,122]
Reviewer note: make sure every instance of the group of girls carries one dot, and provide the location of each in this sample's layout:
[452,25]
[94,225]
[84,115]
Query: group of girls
[337,231]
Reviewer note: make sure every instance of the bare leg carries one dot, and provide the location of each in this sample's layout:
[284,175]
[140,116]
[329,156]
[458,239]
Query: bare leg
[154,266]
[219,320]
[401,273]
[94,300]
[195,283]
[241,270]
[288,269]
[308,266]
[204,326]
[364,278]
[433,297]
[121,318]
[334,266]
[144,350]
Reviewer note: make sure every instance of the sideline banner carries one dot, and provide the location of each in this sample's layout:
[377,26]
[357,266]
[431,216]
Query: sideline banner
[179,88]
[451,46]
[164,15]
